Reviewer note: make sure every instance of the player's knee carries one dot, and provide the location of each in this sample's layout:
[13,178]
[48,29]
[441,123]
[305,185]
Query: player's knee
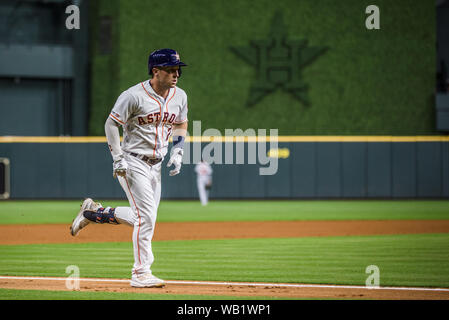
[145,225]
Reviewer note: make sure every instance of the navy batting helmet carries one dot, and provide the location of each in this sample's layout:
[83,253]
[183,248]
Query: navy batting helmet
[164,58]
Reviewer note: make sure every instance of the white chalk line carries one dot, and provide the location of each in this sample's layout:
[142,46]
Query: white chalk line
[248,284]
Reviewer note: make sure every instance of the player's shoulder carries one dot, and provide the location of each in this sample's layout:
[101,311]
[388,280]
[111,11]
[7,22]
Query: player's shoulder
[181,92]
[135,89]
[135,92]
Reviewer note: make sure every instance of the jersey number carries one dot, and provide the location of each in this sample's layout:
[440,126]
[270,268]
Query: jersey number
[169,133]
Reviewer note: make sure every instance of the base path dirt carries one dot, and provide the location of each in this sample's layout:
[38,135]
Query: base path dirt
[278,290]
[57,233]
[39,234]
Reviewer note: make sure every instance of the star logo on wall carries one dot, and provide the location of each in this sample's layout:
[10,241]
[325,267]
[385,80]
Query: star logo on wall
[278,62]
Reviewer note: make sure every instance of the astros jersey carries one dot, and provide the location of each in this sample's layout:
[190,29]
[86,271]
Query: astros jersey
[147,118]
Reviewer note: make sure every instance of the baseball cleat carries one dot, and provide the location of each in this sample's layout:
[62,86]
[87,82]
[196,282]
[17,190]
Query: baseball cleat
[80,221]
[146,280]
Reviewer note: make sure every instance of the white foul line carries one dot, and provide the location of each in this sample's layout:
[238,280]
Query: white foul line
[238,284]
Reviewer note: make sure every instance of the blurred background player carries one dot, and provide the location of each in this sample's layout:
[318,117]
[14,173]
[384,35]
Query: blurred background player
[203,180]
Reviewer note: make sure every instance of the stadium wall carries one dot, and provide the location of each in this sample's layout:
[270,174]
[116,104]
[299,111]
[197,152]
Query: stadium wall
[365,82]
[308,168]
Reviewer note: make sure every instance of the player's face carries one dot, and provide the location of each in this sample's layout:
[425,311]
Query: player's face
[167,76]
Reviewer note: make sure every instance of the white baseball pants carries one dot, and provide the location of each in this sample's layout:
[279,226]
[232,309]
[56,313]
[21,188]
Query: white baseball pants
[142,186]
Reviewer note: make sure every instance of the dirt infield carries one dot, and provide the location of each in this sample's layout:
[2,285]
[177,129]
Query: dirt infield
[57,233]
[233,289]
[32,234]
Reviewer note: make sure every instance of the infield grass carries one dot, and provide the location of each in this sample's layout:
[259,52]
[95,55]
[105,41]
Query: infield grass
[59,211]
[14,294]
[403,260]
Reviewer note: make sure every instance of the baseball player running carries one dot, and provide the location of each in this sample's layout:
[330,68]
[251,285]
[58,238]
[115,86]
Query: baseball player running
[203,180]
[149,113]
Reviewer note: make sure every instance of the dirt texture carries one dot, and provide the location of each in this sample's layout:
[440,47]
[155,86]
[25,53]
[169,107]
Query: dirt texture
[40,234]
[59,233]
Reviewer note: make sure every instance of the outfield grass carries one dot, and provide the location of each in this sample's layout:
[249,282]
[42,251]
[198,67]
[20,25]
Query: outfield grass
[40,212]
[403,260]
[14,294]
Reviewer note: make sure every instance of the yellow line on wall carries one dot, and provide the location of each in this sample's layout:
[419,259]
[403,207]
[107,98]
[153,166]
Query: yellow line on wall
[100,139]
[21,139]
[362,138]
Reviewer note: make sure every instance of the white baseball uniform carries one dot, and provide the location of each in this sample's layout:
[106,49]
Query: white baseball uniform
[204,178]
[147,121]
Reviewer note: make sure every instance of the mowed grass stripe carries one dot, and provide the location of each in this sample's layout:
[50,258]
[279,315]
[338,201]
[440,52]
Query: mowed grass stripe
[15,294]
[403,260]
[43,212]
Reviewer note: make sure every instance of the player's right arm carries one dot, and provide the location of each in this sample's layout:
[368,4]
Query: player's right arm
[123,108]
[111,129]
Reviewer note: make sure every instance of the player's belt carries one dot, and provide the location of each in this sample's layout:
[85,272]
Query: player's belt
[148,160]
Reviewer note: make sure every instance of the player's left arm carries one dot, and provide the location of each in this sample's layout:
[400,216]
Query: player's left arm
[179,135]
[179,130]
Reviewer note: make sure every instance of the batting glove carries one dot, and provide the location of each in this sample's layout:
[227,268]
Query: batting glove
[119,166]
[176,160]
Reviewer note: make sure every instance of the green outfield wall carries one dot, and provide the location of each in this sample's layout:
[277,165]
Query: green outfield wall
[308,169]
[347,80]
